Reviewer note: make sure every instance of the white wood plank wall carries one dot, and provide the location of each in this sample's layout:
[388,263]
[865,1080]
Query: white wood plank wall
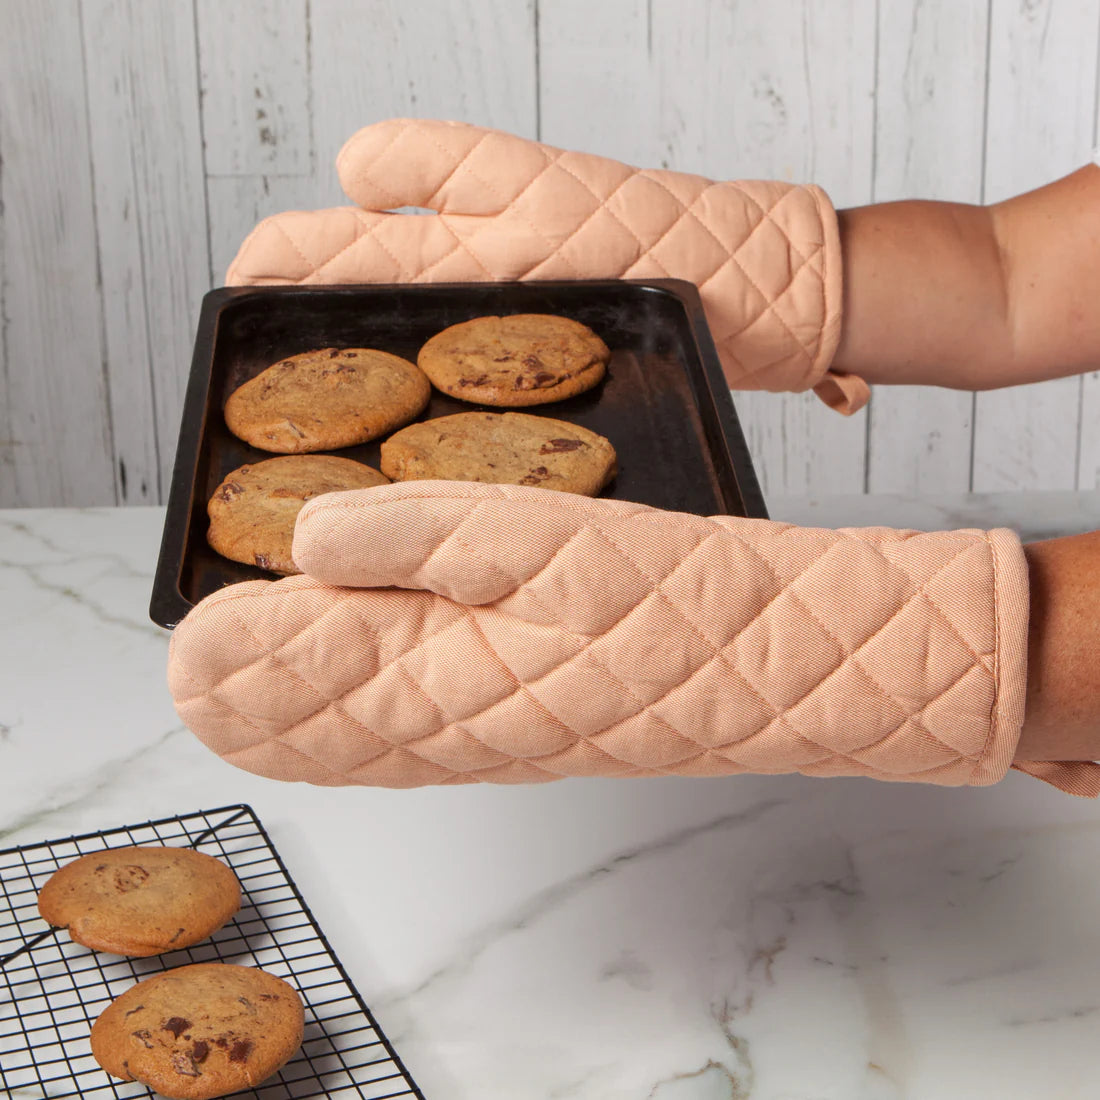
[139,142]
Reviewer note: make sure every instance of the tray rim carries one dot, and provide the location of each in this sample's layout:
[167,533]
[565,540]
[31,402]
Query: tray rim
[168,605]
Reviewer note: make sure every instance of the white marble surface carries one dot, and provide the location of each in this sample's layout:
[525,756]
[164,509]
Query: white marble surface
[773,939]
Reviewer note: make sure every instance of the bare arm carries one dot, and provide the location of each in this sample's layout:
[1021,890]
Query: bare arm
[974,297]
[1062,717]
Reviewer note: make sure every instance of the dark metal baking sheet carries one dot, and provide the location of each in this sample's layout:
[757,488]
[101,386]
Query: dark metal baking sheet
[664,405]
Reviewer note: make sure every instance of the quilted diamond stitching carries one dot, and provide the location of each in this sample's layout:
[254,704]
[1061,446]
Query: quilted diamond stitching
[767,306]
[459,243]
[766,215]
[397,134]
[516,685]
[601,204]
[419,690]
[272,654]
[314,626]
[297,751]
[832,755]
[762,213]
[917,720]
[462,161]
[376,239]
[367,234]
[517,582]
[643,708]
[397,750]
[294,244]
[720,654]
[686,211]
[854,655]
[689,623]
[512,205]
[942,615]
[278,739]
[429,558]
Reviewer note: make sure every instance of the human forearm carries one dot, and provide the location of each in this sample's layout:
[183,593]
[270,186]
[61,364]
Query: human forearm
[974,297]
[919,279]
[1062,717]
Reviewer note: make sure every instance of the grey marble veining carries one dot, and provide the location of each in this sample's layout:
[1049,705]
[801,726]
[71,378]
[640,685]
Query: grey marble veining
[1033,516]
[753,938]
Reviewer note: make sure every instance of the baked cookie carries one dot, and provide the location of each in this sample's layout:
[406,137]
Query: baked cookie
[252,512]
[321,400]
[524,359]
[501,448]
[200,1031]
[140,901]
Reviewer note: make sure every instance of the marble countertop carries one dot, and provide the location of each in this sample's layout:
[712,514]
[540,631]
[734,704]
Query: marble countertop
[765,938]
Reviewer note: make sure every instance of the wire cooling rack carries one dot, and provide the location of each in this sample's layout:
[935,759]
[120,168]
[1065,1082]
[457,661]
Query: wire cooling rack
[52,990]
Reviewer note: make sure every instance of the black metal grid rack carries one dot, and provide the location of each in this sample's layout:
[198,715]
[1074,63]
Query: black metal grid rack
[52,990]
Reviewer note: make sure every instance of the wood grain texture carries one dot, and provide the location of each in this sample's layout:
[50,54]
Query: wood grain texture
[379,59]
[597,85]
[139,144]
[1041,125]
[257,117]
[151,225]
[255,86]
[930,122]
[237,203]
[780,91]
[55,427]
[473,60]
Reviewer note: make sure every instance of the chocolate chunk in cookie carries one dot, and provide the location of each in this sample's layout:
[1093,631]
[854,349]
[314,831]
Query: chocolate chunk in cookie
[200,1031]
[322,400]
[514,361]
[253,510]
[140,901]
[503,449]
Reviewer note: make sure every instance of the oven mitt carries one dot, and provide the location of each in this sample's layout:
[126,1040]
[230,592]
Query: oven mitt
[765,255]
[451,632]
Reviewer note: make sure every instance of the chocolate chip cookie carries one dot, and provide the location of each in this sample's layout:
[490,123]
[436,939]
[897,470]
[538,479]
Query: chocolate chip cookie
[515,361]
[252,512]
[200,1031]
[322,400]
[140,901]
[501,448]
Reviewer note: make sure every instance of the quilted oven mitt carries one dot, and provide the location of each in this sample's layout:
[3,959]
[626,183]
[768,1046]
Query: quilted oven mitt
[765,255]
[451,632]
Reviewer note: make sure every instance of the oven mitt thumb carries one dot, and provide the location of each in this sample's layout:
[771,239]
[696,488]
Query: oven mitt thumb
[765,255]
[451,632]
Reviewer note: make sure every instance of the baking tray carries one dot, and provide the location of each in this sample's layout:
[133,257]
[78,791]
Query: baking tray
[664,404]
[52,990]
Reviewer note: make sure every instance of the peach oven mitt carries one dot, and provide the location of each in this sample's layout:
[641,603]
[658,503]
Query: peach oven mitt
[452,632]
[765,255]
